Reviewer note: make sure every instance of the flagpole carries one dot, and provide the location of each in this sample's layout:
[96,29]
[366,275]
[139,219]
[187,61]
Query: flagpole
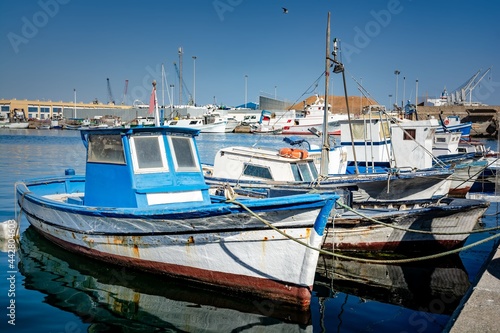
[157,115]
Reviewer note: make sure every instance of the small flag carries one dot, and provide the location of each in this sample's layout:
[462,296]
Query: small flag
[152,100]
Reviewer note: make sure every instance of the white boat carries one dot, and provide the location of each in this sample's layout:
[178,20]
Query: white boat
[17,125]
[379,142]
[76,123]
[411,200]
[252,167]
[300,122]
[208,123]
[310,120]
[143,203]
[231,124]
[414,226]
[17,120]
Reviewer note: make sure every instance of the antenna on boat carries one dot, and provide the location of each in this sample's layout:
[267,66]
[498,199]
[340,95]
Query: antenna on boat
[323,170]
[339,68]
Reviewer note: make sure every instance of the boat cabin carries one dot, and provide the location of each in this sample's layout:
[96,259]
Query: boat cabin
[379,141]
[143,166]
[257,164]
[446,143]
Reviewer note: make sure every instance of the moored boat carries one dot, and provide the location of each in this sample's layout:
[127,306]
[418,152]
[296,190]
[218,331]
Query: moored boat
[299,122]
[143,203]
[211,122]
[116,298]
[410,227]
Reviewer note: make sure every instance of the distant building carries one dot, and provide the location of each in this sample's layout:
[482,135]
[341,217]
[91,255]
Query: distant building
[35,109]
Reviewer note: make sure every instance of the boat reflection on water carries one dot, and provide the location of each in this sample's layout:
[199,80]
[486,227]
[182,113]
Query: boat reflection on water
[114,298]
[435,286]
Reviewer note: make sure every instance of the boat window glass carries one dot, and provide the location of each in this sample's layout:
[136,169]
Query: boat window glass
[314,170]
[358,131]
[440,139]
[105,149]
[184,153]
[257,171]
[385,131]
[148,154]
[409,134]
[295,172]
[305,172]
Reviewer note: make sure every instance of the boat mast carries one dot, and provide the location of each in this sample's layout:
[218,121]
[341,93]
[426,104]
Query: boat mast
[157,115]
[323,170]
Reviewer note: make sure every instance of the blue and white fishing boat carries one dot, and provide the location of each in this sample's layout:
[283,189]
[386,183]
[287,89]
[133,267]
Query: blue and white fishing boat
[143,203]
[452,123]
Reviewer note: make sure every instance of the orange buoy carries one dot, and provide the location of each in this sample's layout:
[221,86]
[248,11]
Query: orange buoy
[293,153]
[285,152]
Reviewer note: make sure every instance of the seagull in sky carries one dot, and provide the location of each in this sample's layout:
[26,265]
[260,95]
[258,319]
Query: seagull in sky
[285,11]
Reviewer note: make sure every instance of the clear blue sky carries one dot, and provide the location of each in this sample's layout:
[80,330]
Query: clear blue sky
[50,47]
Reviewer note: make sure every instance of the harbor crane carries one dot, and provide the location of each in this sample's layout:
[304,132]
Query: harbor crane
[110,94]
[125,93]
[459,96]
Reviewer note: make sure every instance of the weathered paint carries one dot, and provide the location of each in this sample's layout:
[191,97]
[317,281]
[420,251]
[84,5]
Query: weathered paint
[361,235]
[299,296]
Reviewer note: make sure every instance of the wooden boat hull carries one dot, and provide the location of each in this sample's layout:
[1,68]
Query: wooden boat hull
[119,297]
[464,177]
[455,217]
[221,245]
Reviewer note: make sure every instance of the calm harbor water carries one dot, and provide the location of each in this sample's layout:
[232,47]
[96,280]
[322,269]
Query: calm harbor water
[56,291]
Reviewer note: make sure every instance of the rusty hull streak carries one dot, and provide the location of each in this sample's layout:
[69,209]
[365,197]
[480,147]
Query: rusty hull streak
[298,297]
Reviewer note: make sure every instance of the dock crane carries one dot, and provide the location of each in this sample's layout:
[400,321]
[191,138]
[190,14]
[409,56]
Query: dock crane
[125,92]
[110,94]
[459,96]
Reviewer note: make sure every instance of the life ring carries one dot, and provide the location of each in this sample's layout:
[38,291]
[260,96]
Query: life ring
[446,122]
[293,153]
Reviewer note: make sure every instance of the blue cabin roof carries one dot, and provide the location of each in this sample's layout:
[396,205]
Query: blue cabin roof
[143,166]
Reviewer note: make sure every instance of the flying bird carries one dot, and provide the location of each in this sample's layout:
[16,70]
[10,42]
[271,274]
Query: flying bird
[285,11]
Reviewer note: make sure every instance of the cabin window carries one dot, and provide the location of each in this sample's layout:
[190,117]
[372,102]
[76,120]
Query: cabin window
[184,153]
[409,134]
[440,140]
[148,154]
[257,171]
[105,149]
[313,169]
[385,131]
[305,172]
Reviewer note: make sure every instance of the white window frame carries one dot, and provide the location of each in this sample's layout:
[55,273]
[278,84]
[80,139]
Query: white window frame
[135,162]
[196,168]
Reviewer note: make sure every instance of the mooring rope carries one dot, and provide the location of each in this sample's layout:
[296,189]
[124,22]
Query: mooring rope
[232,199]
[415,230]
